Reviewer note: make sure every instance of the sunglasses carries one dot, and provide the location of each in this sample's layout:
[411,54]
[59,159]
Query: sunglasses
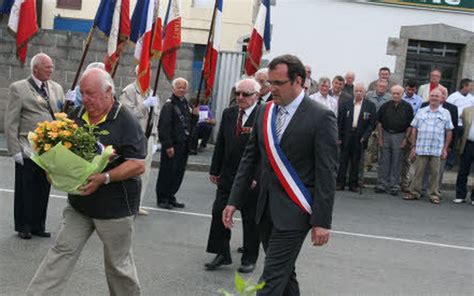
[244,94]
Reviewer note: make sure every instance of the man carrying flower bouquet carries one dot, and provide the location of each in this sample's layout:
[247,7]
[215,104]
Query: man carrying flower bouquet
[107,203]
[30,101]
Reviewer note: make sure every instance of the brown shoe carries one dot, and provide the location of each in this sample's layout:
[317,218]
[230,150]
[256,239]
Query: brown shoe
[410,197]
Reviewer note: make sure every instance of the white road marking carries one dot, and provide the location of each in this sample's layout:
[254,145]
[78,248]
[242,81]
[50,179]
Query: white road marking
[389,238]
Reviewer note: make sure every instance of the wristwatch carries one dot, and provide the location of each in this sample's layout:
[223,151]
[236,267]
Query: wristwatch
[107,178]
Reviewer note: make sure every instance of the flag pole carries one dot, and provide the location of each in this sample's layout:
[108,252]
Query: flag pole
[209,39]
[68,104]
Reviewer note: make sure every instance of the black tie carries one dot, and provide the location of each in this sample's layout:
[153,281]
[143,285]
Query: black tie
[43,91]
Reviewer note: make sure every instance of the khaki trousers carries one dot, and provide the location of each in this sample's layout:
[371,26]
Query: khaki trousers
[405,176]
[58,264]
[371,156]
[423,162]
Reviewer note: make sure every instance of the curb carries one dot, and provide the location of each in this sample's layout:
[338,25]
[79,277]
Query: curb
[204,167]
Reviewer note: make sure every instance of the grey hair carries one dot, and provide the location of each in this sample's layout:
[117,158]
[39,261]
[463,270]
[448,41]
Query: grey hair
[262,71]
[105,79]
[96,65]
[256,85]
[35,60]
[179,79]
[324,80]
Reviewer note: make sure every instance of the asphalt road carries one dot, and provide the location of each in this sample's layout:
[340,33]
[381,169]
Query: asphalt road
[380,245]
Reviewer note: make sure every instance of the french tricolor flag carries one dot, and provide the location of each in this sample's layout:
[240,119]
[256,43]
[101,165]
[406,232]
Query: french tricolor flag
[259,40]
[113,19]
[213,48]
[22,22]
[172,38]
[146,34]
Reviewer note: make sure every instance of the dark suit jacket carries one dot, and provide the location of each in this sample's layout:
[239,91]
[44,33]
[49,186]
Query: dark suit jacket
[173,130]
[309,143]
[366,122]
[453,111]
[343,97]
[229,148]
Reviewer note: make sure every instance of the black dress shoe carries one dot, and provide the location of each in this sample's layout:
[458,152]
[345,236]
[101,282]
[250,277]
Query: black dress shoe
[24,235]
[340,187]
[379,190]
[165,205]
[218,261]
[178,205]
[240,250]
[246,268]
[41,233]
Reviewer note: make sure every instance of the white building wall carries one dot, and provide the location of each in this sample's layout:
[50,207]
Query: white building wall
[337,36]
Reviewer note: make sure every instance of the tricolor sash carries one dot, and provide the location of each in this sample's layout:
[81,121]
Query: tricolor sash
[285,172]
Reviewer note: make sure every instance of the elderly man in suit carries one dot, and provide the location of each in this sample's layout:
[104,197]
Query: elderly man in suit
[292,134]
[356,121]
[30,101]
[234,131]
[141,103]
[425,89]
[262,78]
[466,149]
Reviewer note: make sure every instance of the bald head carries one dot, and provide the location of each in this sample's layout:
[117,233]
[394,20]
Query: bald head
[97,90]
[444,93]
[359,91]
[397,93]
[42,67]
[436,98]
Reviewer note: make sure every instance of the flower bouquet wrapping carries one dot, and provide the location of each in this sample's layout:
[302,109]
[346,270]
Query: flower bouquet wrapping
[68,153]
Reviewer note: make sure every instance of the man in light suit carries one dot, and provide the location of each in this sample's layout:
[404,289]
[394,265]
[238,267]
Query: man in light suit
[30,101]
[425,90]
[466,150]
[141,105]
[306,132]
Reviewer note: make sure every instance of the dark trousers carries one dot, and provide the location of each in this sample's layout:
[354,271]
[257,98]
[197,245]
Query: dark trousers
[467,158]
[203,133]
[282,248]
[219,236]
[171,173]
[451,159]
[31,197]
[350,157]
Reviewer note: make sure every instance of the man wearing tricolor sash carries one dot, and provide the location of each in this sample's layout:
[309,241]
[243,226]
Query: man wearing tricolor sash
[295,143]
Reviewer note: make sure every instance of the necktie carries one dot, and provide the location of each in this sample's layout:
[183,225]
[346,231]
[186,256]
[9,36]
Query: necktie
[281,119]
[238,127]
[44,93]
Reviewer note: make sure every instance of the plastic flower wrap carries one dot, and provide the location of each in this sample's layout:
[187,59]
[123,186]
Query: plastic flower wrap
[67,152]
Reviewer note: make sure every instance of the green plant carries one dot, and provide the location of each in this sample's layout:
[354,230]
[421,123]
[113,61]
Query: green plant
[243,288]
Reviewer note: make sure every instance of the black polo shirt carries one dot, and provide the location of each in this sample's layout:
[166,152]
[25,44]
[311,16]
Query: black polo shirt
[395,118]
[122,198]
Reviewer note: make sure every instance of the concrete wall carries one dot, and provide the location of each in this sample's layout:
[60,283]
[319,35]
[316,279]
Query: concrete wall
[65,48]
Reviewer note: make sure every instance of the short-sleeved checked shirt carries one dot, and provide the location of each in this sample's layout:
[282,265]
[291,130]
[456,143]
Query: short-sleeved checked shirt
[431,129]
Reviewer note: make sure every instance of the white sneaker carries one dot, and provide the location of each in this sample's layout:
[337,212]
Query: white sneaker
[142,212]
[459,200]
[472,202]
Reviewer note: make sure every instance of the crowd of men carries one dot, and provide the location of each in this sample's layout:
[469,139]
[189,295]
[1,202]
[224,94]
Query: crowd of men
[284,191]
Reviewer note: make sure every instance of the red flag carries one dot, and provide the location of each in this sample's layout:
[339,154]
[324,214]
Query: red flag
[259,40]
[210,62]
[22,22]
[118,34]
[172,40]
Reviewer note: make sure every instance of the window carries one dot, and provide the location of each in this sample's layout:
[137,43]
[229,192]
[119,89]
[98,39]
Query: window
[69,4]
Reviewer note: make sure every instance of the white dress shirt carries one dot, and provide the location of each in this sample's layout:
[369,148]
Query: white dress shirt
[357,107]
[461,102]
[247,113]
[39,83]
[328,101]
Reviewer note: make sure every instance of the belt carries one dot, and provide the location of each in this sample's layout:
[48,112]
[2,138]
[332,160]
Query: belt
[392,131]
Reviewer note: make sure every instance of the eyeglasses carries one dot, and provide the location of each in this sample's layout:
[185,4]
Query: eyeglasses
[278,82]
[244,94]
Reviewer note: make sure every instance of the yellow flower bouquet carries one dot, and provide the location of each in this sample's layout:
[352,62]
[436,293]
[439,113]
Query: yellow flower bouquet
[67,152]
